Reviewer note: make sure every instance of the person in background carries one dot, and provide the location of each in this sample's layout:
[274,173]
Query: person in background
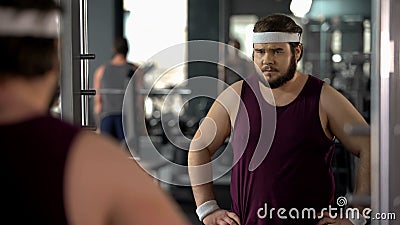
[110,82]
[53,172]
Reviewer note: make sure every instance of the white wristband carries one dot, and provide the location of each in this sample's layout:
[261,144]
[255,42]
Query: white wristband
[206,208]
[360,220]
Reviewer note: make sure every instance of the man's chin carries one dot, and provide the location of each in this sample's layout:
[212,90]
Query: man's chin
[269,73]
[271,80]
[273,86]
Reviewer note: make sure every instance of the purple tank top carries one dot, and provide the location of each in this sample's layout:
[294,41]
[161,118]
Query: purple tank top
[33,158]
[296,172]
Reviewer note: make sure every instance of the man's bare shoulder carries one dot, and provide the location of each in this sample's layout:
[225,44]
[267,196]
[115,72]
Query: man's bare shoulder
[233,90]
[106,184]
[99,168]
[330,95]
[98,159]
[92,147]
[237,86]
[100,69]
[230,99]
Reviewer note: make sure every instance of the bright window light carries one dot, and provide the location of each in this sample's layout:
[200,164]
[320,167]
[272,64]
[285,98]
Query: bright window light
[154,25]
[300,7]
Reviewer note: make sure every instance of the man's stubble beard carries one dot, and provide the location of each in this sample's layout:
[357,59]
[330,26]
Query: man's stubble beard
[286,77]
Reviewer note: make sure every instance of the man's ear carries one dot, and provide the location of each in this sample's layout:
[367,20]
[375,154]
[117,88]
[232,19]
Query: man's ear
[298,52]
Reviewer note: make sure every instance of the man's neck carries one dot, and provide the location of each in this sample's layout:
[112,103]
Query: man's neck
[118,59]
[290,86]
[21,100]
[287,92]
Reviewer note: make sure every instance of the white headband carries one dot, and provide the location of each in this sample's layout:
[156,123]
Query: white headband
[271,37]
[31,22]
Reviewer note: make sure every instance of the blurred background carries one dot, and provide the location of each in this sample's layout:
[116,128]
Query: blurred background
[337,36]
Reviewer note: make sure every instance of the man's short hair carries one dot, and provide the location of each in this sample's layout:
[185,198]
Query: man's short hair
[121,46]
[25,55]
[279,23]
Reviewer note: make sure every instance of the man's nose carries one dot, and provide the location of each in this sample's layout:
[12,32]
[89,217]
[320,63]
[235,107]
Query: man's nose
[268,58]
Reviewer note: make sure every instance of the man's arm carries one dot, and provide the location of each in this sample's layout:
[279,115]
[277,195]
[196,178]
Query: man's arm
[341,113]
[209,137]
[211,134]
[97,86]
[104,186]
[140,98]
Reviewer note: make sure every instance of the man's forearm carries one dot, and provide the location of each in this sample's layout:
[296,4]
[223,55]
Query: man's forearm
[203,193]
[363,183]
[200,172]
